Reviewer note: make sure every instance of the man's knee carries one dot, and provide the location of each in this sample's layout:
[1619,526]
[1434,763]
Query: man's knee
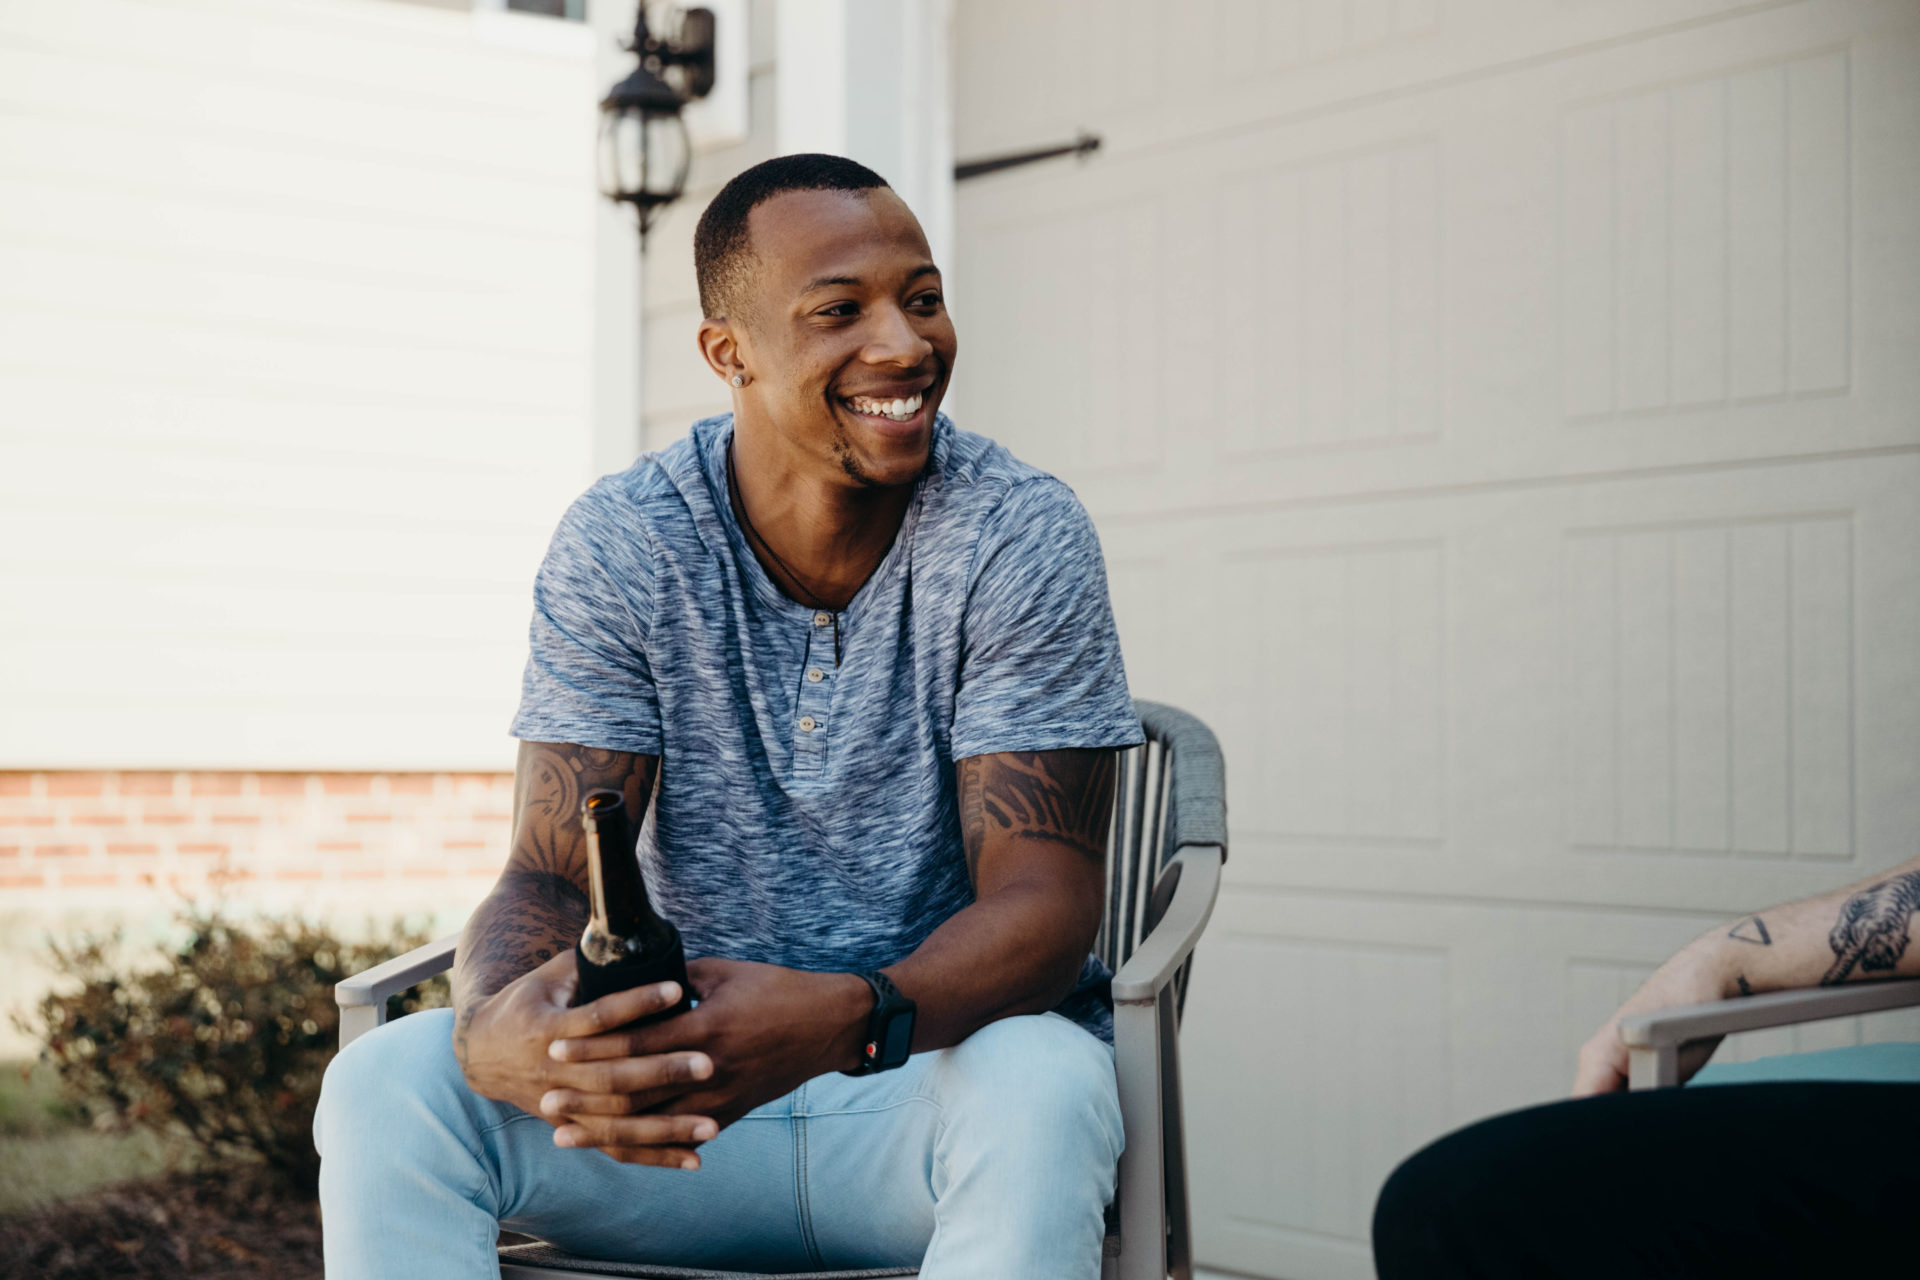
[388,1079]
[1038,1076]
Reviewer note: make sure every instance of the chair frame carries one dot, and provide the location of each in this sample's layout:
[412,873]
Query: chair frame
[1654,1040]
[1165,852]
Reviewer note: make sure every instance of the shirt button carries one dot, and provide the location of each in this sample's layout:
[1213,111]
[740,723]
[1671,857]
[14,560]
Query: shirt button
[816,675]
[823,619]
[807,724]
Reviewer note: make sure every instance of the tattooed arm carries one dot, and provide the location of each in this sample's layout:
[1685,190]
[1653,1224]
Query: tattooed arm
[1859,932]
[1034,825]
[514,979]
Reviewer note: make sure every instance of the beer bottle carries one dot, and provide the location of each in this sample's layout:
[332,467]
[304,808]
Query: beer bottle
[625,944]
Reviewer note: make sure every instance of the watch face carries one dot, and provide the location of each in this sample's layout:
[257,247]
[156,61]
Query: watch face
[899,1037]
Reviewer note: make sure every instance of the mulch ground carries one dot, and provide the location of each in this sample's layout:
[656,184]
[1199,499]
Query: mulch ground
[236,1227]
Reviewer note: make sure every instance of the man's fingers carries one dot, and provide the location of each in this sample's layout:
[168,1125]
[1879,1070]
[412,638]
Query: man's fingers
[632,1075]
[661,1157]
[620,1132]
[608,1013]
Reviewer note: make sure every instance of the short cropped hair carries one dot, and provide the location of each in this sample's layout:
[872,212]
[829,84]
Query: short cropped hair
[721,249]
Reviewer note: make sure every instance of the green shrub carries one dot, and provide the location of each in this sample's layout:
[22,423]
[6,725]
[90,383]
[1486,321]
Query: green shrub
[224,1044]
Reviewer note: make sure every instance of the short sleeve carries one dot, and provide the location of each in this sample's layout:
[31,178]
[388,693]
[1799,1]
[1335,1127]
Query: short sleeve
[1040,659]
[588,679]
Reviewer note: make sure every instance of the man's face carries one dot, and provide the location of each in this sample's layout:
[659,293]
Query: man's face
[846,333]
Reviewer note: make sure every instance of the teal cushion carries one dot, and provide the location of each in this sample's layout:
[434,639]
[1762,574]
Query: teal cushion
[1868,1063]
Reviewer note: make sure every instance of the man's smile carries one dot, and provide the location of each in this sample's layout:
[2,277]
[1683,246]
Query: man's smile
[899,409]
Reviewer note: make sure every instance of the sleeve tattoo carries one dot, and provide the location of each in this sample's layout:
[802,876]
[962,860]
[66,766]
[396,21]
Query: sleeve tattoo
[1871,933]
[540,903]
[1062,797]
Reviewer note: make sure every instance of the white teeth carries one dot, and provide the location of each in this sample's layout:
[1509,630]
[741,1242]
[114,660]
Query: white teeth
[898,410]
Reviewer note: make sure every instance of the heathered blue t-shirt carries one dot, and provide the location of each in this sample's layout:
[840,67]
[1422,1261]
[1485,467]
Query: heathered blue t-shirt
[805,813]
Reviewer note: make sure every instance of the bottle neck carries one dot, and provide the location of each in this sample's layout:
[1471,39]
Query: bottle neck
[617,895]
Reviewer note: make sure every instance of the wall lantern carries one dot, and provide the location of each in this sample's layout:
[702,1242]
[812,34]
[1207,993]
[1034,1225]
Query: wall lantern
[644,148]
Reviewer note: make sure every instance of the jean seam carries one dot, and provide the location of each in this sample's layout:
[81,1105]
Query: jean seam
[803,1208]
[480,1159]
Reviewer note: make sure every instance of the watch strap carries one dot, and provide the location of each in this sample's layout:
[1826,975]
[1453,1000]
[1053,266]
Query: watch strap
[885,1046]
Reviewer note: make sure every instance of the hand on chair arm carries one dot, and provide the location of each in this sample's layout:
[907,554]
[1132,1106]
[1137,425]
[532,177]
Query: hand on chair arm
[514,981]
[1860,932]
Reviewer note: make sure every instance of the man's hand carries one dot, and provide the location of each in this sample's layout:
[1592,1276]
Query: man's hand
[505,1042]
[764,1029]
[1690,977]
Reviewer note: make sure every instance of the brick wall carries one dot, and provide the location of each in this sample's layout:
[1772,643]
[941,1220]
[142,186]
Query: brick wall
[95,851]
[322,839]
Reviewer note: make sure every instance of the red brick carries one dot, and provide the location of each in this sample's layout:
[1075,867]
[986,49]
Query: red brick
[76,784]
[60,851]
[410,784]
[339,846]
[282,784]
[347,784]
[88,880]
[217,784]
[9,850]
[23,882]
[164,817]
[146,784]
[369,817]
[365,873]
[452,845]
[26,819]
[493,817]
[99,819]
[296,875]
[236,819]
[133,849]
[426,873]
[16,784]
[203,847]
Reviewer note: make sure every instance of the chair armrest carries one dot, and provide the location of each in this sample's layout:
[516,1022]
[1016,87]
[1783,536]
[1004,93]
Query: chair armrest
[363,997]
[374,985]
[1774,1009]
[1161,953]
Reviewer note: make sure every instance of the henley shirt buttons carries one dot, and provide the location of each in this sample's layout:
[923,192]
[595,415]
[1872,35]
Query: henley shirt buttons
[816,675]
[823,619]
[807,724]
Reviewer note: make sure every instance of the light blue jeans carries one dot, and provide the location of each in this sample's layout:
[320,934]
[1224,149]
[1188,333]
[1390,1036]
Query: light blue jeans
[993,1159]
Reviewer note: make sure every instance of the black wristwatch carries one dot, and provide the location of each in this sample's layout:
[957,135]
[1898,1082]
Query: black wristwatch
[889,1027]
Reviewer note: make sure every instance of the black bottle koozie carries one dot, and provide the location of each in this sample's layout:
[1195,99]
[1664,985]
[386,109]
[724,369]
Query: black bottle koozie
[598,980]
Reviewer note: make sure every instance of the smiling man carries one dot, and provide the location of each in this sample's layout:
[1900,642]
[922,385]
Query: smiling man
[862,666]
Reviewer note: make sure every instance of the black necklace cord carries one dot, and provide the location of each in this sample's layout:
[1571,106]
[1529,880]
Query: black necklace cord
[746,522]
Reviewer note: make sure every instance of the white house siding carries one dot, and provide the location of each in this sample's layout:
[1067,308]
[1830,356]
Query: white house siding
[676,387]
[295,370]
[1501,421]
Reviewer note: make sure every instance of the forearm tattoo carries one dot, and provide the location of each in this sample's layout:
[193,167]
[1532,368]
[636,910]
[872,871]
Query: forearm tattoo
[540,903]
[1754,930]
[1871,933]
[1062,797]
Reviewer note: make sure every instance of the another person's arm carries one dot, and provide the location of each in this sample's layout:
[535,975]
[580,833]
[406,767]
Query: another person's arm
[1856,933]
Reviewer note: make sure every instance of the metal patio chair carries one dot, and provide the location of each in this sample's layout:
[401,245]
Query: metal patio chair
[1168,842]
[1654,1040]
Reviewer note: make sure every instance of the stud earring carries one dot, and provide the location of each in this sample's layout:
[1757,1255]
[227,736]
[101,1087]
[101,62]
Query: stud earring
[739,379]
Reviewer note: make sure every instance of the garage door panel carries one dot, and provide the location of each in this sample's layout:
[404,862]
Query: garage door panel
[1531,512]
[1683,689]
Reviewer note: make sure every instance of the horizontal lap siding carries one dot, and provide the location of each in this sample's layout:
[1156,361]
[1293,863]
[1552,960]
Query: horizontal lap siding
[296,354]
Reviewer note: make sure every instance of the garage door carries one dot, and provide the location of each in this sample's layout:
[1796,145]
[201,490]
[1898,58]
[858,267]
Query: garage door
[1501,418]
